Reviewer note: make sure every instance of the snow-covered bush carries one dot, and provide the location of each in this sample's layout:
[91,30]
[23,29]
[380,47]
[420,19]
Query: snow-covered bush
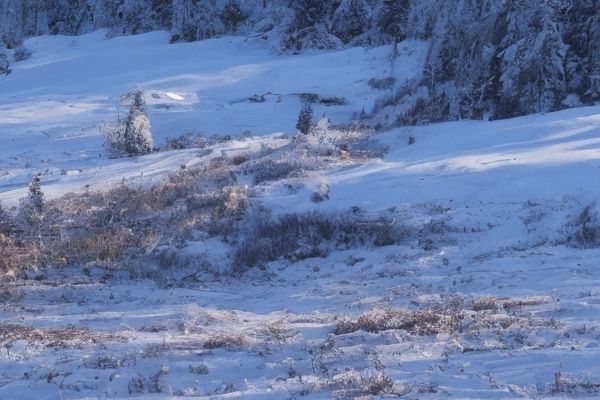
[584,230]
[270,170]
[22,53]
[304,123]
[131,136]
[187,141]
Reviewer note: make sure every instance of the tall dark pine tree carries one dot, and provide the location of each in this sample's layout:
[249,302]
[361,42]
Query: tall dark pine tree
[530,72]
[593,52]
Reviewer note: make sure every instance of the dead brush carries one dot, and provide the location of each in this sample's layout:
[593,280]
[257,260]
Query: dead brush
[573,386]
[456,315]
[122,222]
[107,245]
[67,337]
[19,256]
[224,340]
[417,322]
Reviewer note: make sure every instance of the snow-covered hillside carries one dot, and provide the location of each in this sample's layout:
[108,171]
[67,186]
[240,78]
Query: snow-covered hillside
[52,105]
[460,262]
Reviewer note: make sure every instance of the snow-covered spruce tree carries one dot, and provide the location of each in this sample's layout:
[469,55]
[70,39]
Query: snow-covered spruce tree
[304,124]
[489,58]
[308,27]
[392,19]
[194,20]
[137,17]
[350,20]
[581,34]
[529,73]
[232,15]
[31,209]
[66,17]
[132,136]
[593,73]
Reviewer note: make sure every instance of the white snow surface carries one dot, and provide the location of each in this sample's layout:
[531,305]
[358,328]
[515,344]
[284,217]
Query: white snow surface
[496,199]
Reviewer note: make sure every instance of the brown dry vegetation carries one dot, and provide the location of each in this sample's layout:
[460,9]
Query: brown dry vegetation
[454,316]
[67,337]
[127,221]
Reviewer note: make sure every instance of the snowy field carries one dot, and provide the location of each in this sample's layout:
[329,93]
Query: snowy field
[493,292]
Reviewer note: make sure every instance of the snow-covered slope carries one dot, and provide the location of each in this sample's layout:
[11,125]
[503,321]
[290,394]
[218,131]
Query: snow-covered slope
[492,293]
[538,157]
[52,105]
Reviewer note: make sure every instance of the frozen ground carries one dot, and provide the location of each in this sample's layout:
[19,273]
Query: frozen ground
[488,296]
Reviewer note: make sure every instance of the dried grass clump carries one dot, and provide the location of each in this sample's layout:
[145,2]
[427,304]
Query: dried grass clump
[417,322]
[223,340]
[453,316]
[107,245]
[67,337]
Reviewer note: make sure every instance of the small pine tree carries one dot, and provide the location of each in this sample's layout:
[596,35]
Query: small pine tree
[32,207]
[5,221]
[232,15]
[133,136]
[4,65]
[304,123]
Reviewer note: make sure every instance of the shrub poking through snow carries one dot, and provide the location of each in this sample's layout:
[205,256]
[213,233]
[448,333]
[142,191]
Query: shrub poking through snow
[187,141]
[304,124]
[132,136]
[321,194]
[22,53]
[585,229]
